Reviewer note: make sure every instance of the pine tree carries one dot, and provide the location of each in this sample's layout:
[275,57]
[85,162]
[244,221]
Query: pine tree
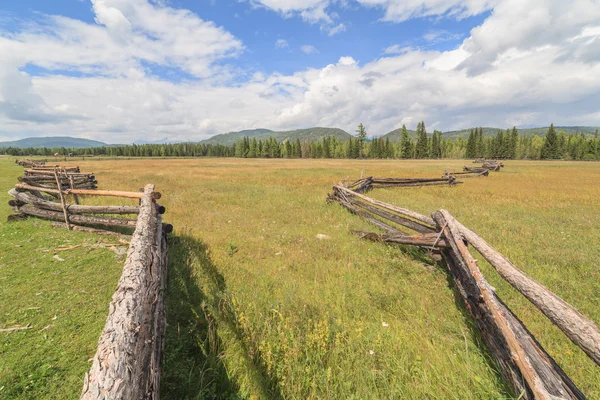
[361,135]
[253,150]
[405,144]
[422,150]
[479,144]
[550,147]
[470,152]
[514,141]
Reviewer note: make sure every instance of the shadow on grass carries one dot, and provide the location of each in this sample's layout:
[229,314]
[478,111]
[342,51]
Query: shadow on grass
[195,305]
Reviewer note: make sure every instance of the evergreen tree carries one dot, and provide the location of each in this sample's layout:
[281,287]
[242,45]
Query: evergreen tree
[514,141]
[405,144]
[361,135]
[470,152]
[479,143]
[550,147]
[253,150]
[422,150]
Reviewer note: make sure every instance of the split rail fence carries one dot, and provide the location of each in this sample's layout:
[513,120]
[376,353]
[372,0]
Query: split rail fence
[521,359]
[128,359]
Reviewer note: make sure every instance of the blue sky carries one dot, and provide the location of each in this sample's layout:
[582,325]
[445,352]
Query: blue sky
[366,37]
[121,70]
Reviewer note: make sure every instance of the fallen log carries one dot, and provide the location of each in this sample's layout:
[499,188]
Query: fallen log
[423,219]
[522,360]
[50,172]
[26,198]
[413,184]
[78,219]
[408,223]
[424,240]
[113,193]
[127,362]
[580,329]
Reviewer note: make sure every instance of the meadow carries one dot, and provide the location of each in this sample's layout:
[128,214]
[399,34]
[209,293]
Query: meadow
[259,307]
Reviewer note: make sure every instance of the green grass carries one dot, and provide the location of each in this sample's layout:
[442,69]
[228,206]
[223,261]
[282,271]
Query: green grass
[64,302]
[260,308]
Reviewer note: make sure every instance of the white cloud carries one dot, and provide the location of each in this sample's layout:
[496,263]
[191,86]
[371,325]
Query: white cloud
[309,49]
[438,36]
[128,34]
[398,49]
[394,10]
[281,43]
[529,62]
[334,30]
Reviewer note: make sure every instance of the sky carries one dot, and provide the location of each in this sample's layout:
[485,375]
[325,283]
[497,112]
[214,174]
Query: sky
[125,70]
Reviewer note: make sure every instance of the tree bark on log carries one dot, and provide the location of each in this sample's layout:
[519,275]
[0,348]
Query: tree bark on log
[113,193]
[78,219]
[74,208]
[522,360]
[424,240]
[402,211]
[127,362]
[407,223]
[581,330]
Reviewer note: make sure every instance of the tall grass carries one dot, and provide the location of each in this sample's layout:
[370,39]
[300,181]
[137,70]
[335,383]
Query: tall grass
[261,308]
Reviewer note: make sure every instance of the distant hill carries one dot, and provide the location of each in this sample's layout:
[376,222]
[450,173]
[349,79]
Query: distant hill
[394,135]
[52,142]
[164,140]
[302,134]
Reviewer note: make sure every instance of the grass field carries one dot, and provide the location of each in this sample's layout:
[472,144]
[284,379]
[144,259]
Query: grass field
[260,308]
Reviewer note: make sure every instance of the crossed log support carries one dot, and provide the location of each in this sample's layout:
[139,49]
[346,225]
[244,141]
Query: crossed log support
[523,362]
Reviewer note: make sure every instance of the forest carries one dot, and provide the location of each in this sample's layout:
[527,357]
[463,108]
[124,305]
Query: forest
[507,144]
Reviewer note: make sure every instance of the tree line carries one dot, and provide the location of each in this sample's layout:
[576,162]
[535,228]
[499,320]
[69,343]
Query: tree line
[504,145]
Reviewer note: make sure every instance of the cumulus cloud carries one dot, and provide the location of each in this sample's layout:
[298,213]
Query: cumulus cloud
[529,62]
[394,10]
[309,49]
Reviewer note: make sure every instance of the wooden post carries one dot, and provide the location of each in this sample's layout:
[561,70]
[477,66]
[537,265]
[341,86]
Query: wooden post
[72,185]
[62,199]
[522,360]
[581,330]
[127,362]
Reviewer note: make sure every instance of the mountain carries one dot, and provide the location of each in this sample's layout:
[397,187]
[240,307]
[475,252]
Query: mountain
[53,142]
[394,135]
[160,141]
[310,134]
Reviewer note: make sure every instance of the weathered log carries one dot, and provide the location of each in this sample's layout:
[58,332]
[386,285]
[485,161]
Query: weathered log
[127,362]
[408,223]
[424,240]
[78,219]
[27,198]
[344,201]
[415,184]
[63,179]
[113,193]
[62,199]
[427,221]
[50,172]
[581,330]
[523,361]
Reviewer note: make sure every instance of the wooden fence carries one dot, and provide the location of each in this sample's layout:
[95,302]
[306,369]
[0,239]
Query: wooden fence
[521,359]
